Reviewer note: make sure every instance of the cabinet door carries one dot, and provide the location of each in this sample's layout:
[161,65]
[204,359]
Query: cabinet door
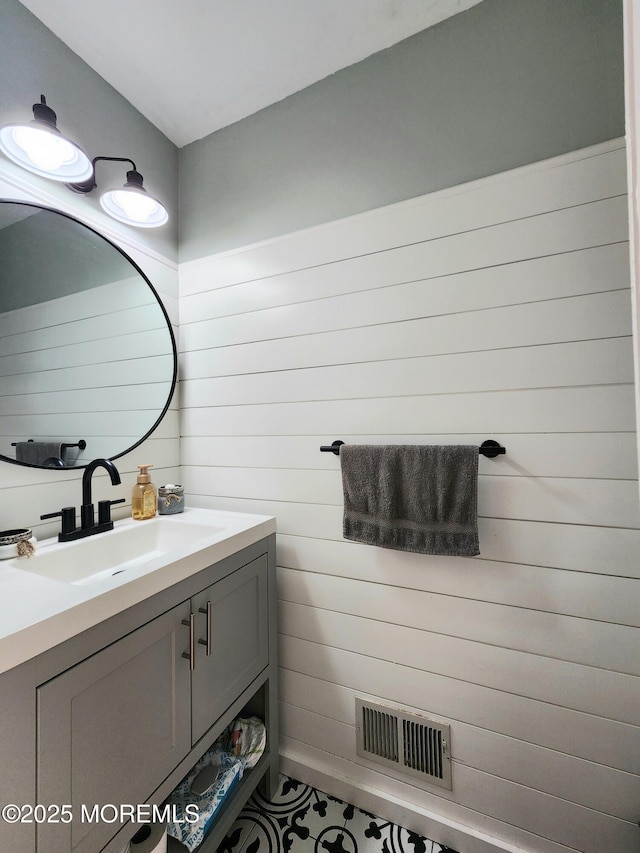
[112,727]
[232,645]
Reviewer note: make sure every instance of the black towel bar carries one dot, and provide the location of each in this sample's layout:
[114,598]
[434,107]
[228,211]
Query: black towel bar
[81,444]
[488,448]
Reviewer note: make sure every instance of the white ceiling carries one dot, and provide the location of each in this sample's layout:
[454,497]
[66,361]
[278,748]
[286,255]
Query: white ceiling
[194,66]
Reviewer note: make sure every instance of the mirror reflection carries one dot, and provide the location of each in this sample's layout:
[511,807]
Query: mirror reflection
[87,354]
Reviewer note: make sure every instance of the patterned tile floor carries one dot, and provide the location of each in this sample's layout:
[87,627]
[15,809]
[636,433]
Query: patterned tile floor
[301,819]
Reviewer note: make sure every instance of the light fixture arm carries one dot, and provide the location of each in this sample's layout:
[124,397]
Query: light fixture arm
[89,185]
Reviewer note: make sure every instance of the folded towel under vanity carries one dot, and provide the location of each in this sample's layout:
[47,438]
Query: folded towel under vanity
[238,748]
[191,834]
[418,498]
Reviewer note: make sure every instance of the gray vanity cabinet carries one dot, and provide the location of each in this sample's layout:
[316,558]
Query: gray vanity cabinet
[111,726]
[231,648]
[120,713]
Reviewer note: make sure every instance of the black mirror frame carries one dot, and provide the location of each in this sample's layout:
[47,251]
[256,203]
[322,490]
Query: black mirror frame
[174,348]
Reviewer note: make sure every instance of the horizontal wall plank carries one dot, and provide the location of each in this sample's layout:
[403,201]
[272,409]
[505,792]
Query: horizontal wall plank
[564,730]
[569,229]
[129,347]
[535,455]
[83,306]
[95,424]
[347,302]
[291,517]
[117,398]
[604,409]
[138,371]
[583,782]
[548,816]
[571,593]
[612,503]
[597,362]
[603,550]
[582,316]
[584,641]
[542,187]
[497,329]
[596,691]
[607,551]
[107,326]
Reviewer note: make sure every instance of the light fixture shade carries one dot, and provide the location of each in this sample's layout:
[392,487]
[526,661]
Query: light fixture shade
[40,148]
[133,205]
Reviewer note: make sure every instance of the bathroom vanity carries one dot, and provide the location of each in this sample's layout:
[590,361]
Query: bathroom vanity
[122,663]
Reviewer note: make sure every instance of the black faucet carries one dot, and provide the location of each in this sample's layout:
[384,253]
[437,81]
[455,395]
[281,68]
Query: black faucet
[88,526]
[87,520]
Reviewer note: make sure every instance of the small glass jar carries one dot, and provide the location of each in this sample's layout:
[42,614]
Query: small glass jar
[170,499]
[16,543]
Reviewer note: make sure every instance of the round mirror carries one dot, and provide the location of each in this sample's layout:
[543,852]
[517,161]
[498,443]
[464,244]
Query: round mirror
[87,354]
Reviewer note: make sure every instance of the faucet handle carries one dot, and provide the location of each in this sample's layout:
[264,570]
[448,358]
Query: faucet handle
[104,510]
[68,515]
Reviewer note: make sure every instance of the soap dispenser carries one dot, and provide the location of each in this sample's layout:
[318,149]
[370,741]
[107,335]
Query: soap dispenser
[144,495]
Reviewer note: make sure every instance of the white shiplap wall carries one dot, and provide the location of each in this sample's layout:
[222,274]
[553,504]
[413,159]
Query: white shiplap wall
[499,309]
[101,357]
[31,492]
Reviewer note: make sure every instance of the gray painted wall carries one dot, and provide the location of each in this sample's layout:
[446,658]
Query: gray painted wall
[506,83]
[33,61]
[45,256]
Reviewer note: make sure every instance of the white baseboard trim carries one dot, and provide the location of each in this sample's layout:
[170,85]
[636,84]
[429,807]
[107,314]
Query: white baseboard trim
[461,838]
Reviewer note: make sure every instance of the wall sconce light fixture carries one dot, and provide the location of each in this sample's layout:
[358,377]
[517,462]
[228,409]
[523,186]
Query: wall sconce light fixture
[131,203]
[39,147]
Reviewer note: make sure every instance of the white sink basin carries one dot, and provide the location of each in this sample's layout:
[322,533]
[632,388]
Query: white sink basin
[130,545]
[69,587]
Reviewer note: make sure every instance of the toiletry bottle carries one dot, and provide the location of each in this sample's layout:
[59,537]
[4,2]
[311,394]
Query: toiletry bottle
[144,496]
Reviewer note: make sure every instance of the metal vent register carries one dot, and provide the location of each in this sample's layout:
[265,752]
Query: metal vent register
[407,742]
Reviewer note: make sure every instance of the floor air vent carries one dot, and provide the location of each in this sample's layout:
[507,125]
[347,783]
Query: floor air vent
[407,742]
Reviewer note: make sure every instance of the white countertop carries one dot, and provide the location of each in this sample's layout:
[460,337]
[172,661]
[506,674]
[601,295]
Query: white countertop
[39,611]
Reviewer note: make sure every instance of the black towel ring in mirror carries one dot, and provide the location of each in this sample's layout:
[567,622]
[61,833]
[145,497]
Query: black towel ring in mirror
[488,448]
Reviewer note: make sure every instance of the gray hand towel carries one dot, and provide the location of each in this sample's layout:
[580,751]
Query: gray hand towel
[39,452]
[412,498]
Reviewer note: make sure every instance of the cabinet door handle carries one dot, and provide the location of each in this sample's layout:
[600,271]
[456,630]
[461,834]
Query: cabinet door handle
[191,654]
[207,642]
